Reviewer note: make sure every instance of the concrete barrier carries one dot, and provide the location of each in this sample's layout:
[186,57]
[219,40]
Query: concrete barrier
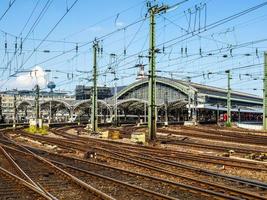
[8,125]
[250,126]
[62,124]
[138,137]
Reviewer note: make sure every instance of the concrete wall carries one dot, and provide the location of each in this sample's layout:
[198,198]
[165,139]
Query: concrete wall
[250,126]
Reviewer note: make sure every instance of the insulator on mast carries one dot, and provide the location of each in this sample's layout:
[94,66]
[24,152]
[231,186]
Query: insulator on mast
[101,47]
[16,45]
[77,48]
[20,45]
[5,43]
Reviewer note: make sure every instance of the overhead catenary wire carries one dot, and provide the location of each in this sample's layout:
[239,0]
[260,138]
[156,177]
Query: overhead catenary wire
[9,6]
[36,22]
[87,43]
[98,38]
[105,19]
[208,27]
[172,44]
[47,35]
[102,37]
[28,20]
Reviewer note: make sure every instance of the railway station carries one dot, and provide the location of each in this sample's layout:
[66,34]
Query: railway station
[177,101]
[138,100]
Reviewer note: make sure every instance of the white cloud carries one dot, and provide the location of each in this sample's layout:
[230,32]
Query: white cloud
[119,24]
[30,79]
[95,29]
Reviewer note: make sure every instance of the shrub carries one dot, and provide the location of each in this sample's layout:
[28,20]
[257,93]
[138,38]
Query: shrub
[36,130]
[228,124]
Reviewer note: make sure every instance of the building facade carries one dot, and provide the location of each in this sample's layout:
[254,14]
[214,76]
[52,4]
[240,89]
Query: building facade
[23,103]
[176,100]
[83,92]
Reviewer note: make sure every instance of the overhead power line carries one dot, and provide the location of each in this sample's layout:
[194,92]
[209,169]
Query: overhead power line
[47,35]
[36,22]
[91,41]
[37,3]
[204,29]
[9,6]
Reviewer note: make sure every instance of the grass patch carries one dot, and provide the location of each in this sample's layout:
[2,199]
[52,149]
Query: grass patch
[228,124]
[35,130]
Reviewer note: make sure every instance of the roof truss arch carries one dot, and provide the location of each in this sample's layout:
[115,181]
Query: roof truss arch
[186,89]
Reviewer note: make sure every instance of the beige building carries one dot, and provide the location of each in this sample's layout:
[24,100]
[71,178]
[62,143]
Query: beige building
[25,103]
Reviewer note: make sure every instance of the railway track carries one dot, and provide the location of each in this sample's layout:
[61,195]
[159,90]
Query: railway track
[150,183]
[125,131]
[214,147]
[171,188]
[190,173]
[227,131]
[197,133]
[160,166]
[171,154]
[13,187]
[116,189]
[9,164]
[54,180]
[177,156]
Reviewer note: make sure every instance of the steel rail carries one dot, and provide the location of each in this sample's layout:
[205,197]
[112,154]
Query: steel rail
[68,176]
[22,183]
[69,145]
[22,173]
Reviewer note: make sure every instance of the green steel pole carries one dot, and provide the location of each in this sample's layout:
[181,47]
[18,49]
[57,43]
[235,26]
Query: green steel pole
[265,93]
[50,107]
[166,108]
[152,124]
[94,96]
[115,102]
[1,113]
[37,102]
[228,97]
[15,111]
[189,100]
[218,114]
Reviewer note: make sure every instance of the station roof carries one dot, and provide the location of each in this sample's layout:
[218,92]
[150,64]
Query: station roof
[217,92]
[200,89]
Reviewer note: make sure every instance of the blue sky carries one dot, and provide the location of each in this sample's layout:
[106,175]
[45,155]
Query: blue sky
[90,19]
